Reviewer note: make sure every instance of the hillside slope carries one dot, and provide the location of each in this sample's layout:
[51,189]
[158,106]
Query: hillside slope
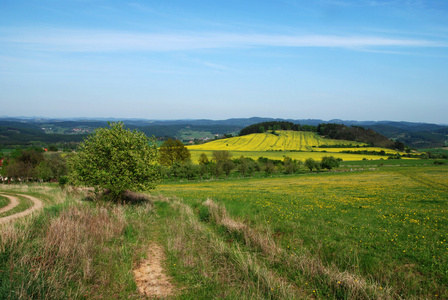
[283,140]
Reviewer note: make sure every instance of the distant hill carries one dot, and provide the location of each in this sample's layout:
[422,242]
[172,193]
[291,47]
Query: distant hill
[25,131]
[329,130]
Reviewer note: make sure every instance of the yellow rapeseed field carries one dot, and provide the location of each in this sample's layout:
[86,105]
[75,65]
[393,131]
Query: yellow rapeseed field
[285,140]
[299,145]
[280,155]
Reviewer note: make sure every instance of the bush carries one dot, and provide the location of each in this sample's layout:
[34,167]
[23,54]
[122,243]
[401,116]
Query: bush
[117,160]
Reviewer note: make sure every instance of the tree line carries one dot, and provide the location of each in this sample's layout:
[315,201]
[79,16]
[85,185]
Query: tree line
[33,164]
[275,125]
[175,163]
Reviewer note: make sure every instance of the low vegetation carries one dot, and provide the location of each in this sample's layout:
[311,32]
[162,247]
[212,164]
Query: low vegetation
[374,234]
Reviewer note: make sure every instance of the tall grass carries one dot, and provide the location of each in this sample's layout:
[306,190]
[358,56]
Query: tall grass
[73,249]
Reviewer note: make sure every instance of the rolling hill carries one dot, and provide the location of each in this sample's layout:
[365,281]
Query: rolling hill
[281,141]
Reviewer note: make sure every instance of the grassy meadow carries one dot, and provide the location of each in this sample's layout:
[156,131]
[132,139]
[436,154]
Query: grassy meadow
[386,229]
[379,232]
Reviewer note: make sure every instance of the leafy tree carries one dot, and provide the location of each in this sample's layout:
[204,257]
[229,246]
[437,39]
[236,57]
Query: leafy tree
[329,162]
[202,170]
[116,159]
[290,166]
[227,166]
[215,170]
[172,151]
[220,156]
[311,164]
[243,166]
[53,167]
[223,161]
[269,168]
[22,164]
[203,159]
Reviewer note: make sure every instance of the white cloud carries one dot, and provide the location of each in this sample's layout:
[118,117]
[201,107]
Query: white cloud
[115,41]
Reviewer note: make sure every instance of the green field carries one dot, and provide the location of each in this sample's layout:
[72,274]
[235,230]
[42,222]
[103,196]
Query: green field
[376,233]
[387,228]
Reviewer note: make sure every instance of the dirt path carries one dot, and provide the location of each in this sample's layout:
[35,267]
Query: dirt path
[150,277]
[14,201]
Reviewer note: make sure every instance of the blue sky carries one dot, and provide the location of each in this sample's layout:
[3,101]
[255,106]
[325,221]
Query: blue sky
[320,59]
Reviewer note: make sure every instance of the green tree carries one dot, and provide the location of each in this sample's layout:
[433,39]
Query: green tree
[202,170]
[311,164]
[22,164]
[223,162]
[116,159]
[329,162]
[290,166]
[269,168]
[172,151]
[203,159]
[220,156]
[53,167]
[243,166]
[227,167]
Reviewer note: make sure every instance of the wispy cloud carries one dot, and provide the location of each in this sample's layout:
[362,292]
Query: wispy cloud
[116,41]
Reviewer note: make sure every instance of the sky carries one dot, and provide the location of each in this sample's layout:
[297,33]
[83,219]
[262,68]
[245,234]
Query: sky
[317,59]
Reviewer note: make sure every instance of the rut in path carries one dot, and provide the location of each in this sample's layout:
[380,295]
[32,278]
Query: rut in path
[37,204]
[150,276]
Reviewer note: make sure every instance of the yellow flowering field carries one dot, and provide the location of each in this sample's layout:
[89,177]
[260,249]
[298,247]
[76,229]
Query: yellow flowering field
[285,140]
[297,145]
[354,149]
[389,225]
[280,155]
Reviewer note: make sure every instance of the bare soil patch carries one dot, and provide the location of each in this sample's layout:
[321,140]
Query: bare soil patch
[150,276]
[37,205]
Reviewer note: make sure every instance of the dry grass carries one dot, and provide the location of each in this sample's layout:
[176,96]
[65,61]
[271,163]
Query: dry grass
[54,258]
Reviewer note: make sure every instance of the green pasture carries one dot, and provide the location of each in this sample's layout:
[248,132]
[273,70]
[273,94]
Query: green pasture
[389,226]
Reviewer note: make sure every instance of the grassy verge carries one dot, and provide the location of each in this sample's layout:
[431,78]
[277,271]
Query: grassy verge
[3,201]
[74,249]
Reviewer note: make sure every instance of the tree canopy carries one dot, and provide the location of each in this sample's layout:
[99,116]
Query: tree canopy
[116,159]
[172,151]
